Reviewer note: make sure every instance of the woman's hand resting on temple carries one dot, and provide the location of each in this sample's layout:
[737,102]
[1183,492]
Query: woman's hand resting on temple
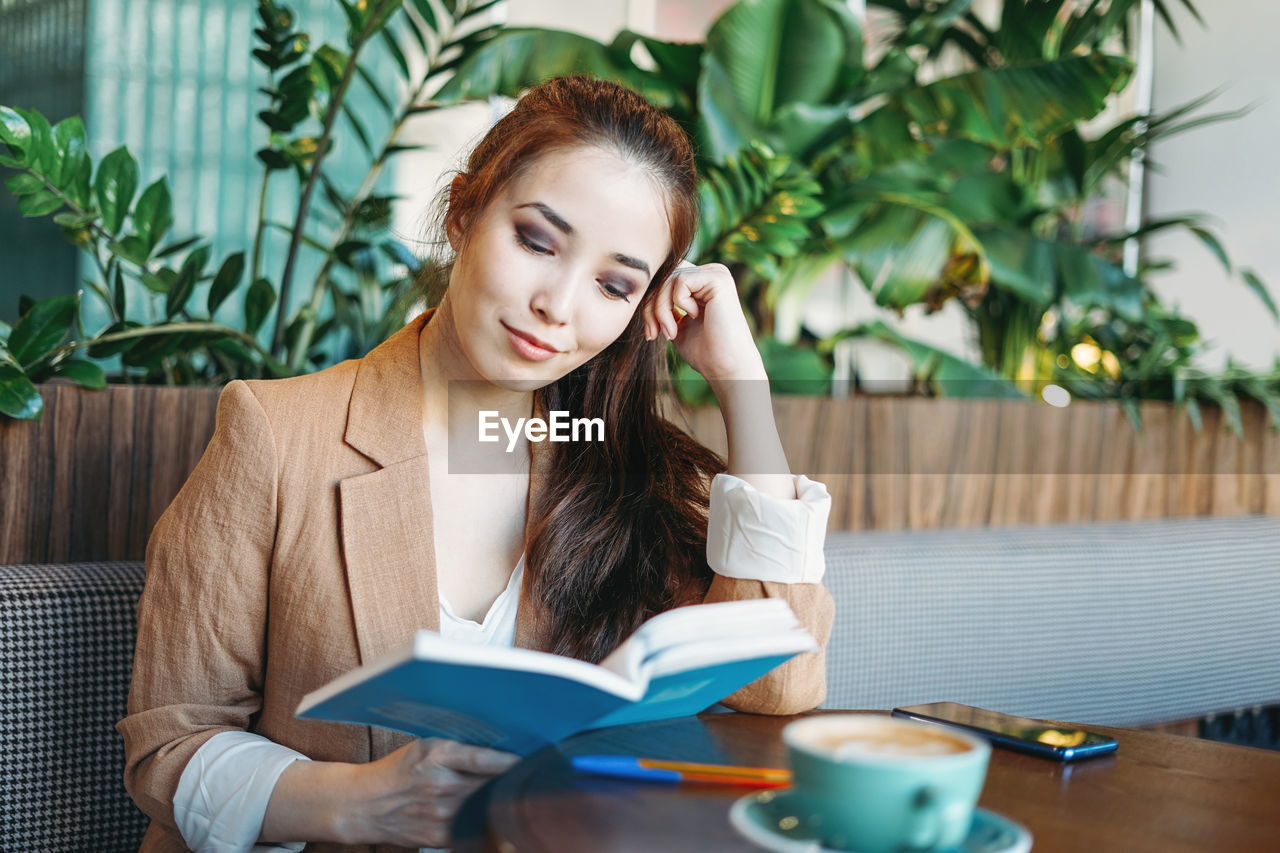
[697,307]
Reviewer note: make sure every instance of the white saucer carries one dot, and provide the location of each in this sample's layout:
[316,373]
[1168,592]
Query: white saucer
[766,818]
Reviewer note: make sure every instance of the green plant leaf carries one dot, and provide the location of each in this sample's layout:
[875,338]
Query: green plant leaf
[298,91]
[1216,391]
[397,56]
[19,397]
[427,13]
[131,248]
[680,62]
[39,203]
[275,17]
[383,11]
[375,211]
[400,254]
[114,186]
[798,128]
[301,152]
[226,280]
[23,184]
[258,302]
[1018,104]
[15,132]
[116,347]
[777,52]
[1088,280]
[1256,387]
[519,57]
[794,369]
[151,349]
[1254,283]
[275,121]
[42,328]
[198,259]
[1022,264]
[84,372]
[273,159]
[119,298]
[899,253]
[174,248]
[69,143]
[358,127]
[374,89]
[947,375]
[723,123]
[185,282]
[331,62]
[75,221]
[153,215]
[41,153]
[292,49]
[1212,243]
[159,281]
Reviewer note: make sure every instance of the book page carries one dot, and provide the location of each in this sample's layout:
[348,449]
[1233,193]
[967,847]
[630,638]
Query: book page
[713,623]
[697,624]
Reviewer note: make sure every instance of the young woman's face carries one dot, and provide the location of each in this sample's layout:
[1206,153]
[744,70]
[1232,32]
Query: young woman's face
[553,269]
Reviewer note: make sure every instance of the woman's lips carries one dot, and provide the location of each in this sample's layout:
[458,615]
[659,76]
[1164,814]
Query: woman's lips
[529,347]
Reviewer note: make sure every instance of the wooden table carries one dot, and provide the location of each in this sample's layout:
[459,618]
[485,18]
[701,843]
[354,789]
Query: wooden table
[1158,792]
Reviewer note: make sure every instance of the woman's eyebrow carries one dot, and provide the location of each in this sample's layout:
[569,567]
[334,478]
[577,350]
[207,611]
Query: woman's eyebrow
[634,263]
[558,221]
[551,216]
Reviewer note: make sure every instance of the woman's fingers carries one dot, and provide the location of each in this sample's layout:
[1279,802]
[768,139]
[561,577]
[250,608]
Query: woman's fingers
[464,758]
[675,299]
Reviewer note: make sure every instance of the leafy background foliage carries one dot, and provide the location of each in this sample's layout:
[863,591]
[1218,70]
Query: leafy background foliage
[968,186]
[929,187]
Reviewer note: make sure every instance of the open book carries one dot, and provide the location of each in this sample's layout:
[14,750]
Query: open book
[679,662]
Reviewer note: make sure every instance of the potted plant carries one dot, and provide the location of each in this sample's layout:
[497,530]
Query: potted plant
[968,187]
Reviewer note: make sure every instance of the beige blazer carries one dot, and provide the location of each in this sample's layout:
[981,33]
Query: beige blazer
[300,547]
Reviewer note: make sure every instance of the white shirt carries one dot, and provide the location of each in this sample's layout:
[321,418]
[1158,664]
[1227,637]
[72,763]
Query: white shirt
[222,795]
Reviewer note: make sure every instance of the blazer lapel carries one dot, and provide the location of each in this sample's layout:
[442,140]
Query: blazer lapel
[388,543]
[388,546]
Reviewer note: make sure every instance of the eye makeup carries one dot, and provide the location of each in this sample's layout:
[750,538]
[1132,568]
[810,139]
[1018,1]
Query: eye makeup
[533,240]
[536,242]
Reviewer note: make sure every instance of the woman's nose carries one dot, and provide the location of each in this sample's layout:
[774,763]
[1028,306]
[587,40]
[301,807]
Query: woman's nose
[553,300]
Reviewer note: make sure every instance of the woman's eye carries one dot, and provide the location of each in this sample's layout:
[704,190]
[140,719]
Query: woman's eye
[531,244]
[613,291]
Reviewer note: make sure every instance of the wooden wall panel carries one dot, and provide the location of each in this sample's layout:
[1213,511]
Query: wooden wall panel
[90,479]
[914,463]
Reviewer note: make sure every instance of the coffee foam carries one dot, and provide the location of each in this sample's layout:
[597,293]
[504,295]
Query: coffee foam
[887,740]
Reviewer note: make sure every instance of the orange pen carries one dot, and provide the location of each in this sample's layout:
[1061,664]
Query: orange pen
[657,770]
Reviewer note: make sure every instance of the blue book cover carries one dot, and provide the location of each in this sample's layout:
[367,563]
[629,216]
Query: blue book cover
[518,700]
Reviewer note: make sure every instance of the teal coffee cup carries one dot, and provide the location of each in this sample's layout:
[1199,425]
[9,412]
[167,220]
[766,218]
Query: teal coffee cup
[876,784]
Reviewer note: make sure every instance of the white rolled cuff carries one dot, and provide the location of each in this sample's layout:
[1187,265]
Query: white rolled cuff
[755,536]
[222,795]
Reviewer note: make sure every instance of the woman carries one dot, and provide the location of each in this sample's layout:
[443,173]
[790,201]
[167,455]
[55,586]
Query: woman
[328,518]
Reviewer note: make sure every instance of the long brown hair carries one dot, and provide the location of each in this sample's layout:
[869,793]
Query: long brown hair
[619,530]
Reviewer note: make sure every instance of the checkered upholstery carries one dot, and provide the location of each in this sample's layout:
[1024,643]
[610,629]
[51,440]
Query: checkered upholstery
[66,651]
[1120,623]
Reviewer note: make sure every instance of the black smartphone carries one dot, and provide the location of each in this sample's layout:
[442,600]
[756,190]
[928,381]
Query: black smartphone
[1036,737]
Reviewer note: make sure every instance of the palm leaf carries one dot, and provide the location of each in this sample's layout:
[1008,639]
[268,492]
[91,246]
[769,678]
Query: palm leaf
[777,52]
[945,374]
[1017,105]
[518,58]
